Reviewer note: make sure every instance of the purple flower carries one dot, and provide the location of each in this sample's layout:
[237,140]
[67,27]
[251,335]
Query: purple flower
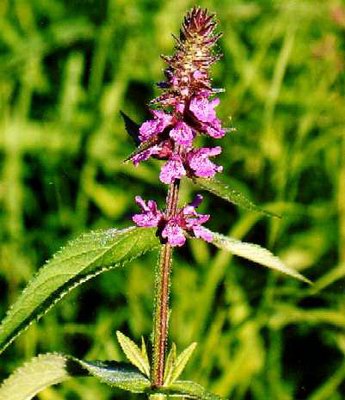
[198,161]
[193,220]
[182,134]
[172,169]
[202,233]
[146,154]
[190,162]
[154,126]
[150,215]
[203,110]
[174,233]
[194,162]
[173,229]
[214,129]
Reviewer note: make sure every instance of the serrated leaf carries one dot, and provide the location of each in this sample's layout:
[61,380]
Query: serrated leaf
[132,128]
[181,362]
[232,195]
[50,369]
[158,396]
[80,260]
[144,352]
[255,253]
[34,376]
[133,353]
[115,374]
[191,390]
[169,365]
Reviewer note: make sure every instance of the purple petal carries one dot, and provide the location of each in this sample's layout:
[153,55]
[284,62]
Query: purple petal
[203,233]
[199,75]
[189,209]
[174,234]
[145,154]
[164,118]
[201,219]
[149,129]
[141,203]
[179,107]
[203,109]
[150,215]
[214,129]
[152,206]
[172,169]
[145,220]
[182,134]
[194,220]
[215,102]
[199,162]
[197,201]
[154,126]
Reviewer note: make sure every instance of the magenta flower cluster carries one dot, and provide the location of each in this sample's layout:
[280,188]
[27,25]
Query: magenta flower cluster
[173,229]
[185,109]
[170,137]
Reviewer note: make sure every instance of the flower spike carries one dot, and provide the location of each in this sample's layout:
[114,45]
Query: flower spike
[185,108]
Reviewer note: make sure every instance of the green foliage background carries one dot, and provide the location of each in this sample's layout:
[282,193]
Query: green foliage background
[66,69]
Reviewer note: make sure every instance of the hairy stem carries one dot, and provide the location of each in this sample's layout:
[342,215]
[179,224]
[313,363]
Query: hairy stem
[162,289]
[341,203]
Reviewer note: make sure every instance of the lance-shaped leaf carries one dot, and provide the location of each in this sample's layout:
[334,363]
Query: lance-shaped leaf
[144,353]
[232,195]
[169,365]
[124,376]
[191,390]
[50,369]
[119,375]
[34,376]
[175,365]
[79,261]
[132,128]
[134,354]
[255,253]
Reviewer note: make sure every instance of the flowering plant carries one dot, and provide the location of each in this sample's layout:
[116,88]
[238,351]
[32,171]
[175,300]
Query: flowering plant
[184,110]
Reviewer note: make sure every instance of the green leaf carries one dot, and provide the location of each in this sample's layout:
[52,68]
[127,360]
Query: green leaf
[34,376]
[134,354]
[50,369]
[227,193]
[132,128]
[80,260]
[119,375]
[180,364]
[144,353]
[192,390]
[255,253]
[170,365]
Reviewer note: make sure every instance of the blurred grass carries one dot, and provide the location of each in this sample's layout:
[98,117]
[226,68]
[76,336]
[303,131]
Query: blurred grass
[66,69]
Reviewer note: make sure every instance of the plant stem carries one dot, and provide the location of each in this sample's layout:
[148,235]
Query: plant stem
[162,289]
